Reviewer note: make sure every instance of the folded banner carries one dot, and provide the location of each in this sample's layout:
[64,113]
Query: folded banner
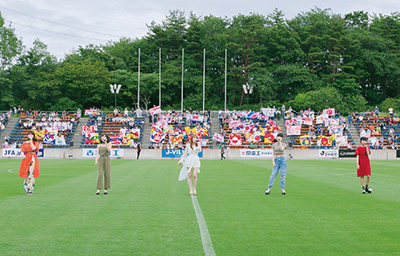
[155,110]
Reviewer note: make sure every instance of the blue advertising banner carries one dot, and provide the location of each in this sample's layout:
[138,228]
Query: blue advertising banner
[40,152]
[175,152]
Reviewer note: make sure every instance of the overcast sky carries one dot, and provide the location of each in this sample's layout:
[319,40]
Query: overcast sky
[64,25]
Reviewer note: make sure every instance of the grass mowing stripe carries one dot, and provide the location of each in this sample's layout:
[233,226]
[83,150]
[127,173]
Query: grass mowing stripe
[205,236]
[319,216]
[145,213]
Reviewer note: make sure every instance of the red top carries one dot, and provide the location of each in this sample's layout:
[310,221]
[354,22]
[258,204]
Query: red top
[29,153]
[363,161]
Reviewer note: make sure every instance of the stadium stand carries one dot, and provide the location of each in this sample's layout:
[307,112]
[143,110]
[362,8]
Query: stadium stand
[124,130]
[248,129]
[172,129]
[382,131]
[53,129]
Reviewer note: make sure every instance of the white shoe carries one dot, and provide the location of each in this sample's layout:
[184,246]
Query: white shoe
[268,191]
[363,191]
[283,192]
[369,190]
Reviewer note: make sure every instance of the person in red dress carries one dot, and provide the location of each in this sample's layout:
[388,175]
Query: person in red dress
[363,165]
[29,169]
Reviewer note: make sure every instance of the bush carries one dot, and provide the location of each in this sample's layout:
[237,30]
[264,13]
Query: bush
[390,102]
[65,103]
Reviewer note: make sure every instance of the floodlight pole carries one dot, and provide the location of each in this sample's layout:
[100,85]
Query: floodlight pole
[159,77]
[115,90]
[204,77]
[183,69]
[138,93]
[226,61]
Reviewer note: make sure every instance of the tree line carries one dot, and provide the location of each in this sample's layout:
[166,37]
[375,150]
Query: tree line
[318,59]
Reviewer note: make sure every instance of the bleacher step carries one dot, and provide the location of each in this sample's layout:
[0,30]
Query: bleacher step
[78,132]
[9,127]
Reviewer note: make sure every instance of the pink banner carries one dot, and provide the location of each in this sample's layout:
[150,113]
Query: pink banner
[218,137]
[293,130]
[234,124]
[307,121]
[89,112]
[155,110]
[88,129]
[329,112]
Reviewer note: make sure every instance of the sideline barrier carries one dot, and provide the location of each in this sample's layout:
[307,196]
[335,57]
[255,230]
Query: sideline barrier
[214,154]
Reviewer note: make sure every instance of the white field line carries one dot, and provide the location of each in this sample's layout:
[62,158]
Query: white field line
[205,236]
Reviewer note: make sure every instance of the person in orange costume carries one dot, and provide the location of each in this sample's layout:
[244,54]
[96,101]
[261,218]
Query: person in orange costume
[29,169]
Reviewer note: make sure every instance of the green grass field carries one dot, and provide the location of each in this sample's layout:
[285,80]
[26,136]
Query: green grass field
[148,212]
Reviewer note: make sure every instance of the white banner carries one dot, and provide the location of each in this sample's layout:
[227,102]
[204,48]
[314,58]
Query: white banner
[293,130]
[218,137]
[155,110]
[341,141]
[16,152]
[11,152]
[256,153]
[329,112]
[197,118]
[88,129]
[92,152]
[307,121]
[328,153]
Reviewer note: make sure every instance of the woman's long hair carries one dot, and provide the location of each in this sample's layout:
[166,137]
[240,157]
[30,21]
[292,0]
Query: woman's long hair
[108,138]
[34,135]
[191,142]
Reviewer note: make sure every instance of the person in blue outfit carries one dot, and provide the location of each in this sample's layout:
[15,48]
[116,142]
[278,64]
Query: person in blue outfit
[279,163]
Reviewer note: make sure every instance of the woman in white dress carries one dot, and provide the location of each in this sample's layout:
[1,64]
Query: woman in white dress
[191,163]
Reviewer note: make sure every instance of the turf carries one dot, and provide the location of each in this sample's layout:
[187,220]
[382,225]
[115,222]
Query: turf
[148,212]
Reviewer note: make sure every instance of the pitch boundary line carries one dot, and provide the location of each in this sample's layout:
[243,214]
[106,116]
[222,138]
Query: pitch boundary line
[205,236]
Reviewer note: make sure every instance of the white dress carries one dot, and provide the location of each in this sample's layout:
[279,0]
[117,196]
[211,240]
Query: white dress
[189,161]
